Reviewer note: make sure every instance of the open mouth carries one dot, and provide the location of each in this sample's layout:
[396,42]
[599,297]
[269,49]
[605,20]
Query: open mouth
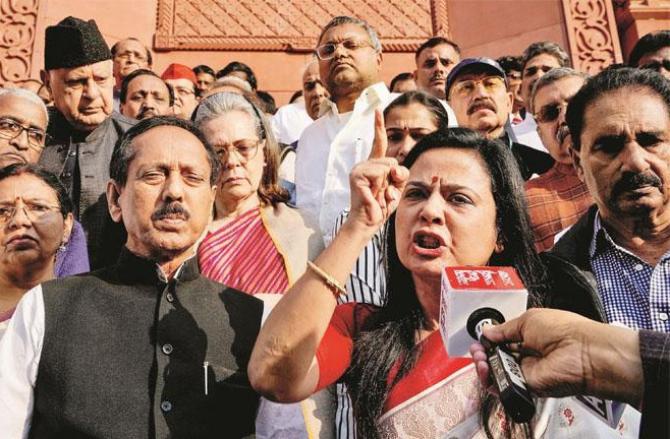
[427,242]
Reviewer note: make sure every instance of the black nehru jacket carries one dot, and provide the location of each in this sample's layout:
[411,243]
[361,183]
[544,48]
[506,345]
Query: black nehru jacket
[124,356]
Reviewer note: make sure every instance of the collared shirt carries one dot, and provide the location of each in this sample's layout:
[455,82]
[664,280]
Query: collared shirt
[556,200]
[632,291]
[327,151]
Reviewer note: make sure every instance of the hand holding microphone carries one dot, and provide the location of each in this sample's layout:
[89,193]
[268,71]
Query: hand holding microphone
[566,354]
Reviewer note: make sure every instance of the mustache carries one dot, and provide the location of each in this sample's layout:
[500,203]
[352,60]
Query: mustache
[562,132]
[630,181]
[172,209]
[143,112]
[477,105]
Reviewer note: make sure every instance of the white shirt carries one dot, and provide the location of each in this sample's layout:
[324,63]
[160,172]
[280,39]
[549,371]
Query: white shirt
[20,352]
[289,122]
[327,151]
[526,133]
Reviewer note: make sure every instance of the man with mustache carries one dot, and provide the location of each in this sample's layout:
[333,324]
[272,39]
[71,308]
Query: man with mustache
[350,59]
[557,198]
[147,347]
[620,128]
[478,93]
[82,126]
[144,94]
[435,58]
[538,59]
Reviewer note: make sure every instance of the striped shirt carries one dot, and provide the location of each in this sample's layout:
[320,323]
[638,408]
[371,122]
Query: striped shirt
[242,255]
[366,284]
[556,200]
[632,291]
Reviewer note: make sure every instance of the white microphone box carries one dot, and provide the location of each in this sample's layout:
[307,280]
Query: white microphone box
[466,289]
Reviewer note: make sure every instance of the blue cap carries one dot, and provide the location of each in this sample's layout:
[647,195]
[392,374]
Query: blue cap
[469,65]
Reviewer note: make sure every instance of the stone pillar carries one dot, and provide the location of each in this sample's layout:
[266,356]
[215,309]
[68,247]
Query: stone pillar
[592,34]
[18,20]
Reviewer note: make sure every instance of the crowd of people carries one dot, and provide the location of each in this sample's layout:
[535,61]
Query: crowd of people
[187,260]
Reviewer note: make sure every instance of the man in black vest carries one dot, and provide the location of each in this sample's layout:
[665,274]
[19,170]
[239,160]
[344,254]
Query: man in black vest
[147,347]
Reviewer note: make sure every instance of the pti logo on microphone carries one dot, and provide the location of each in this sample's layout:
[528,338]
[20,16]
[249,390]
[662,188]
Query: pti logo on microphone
[465,289]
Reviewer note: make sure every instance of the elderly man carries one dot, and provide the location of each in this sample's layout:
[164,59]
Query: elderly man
[538,59]
[170,347]
[82,125]
[620,127]
[144,94]
[652,52]
[128,55]
[557,198]
[183,82]
[478,93]
[350,61]
[23,123]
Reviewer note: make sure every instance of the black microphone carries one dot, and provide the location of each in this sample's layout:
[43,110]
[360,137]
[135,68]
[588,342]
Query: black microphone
[505,370]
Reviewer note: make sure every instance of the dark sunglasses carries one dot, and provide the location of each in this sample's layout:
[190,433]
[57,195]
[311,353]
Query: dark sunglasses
[656,65]
[550,113]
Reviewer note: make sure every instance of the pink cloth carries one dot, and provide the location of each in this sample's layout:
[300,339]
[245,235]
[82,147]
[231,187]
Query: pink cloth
[242,255]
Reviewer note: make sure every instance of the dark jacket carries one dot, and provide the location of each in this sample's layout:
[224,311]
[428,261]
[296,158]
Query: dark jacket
[655,354]
[81,162]
[81,159]
[573,247]
[127,354]
[530,161]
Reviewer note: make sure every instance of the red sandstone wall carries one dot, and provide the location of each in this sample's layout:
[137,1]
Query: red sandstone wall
[481,27]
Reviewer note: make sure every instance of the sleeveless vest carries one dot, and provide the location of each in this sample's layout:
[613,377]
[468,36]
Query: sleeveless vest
[127,355]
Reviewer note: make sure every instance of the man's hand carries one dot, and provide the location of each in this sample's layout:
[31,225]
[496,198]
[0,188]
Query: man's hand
[566,354]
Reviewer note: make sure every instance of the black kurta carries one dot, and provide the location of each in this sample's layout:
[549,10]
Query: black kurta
[124,356]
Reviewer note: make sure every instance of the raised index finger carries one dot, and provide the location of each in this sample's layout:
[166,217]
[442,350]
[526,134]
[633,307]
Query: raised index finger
[379,144]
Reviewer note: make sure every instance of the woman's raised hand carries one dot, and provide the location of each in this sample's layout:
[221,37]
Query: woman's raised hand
[377,183]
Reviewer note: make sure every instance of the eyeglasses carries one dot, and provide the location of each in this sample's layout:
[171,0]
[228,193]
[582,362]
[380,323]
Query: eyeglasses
[128,55]
[327,51]
[33,210]
[181,91]
[550,113]
[245,150]
[656,65]
[466,88]
[11,129]
[311,85]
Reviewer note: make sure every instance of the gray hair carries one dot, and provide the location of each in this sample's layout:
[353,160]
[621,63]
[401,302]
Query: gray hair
[344,19]
[27,95]
[223,102]
[548,47]
[550,77]
[269,190]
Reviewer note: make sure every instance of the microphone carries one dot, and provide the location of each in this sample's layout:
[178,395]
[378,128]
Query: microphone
[505,370]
